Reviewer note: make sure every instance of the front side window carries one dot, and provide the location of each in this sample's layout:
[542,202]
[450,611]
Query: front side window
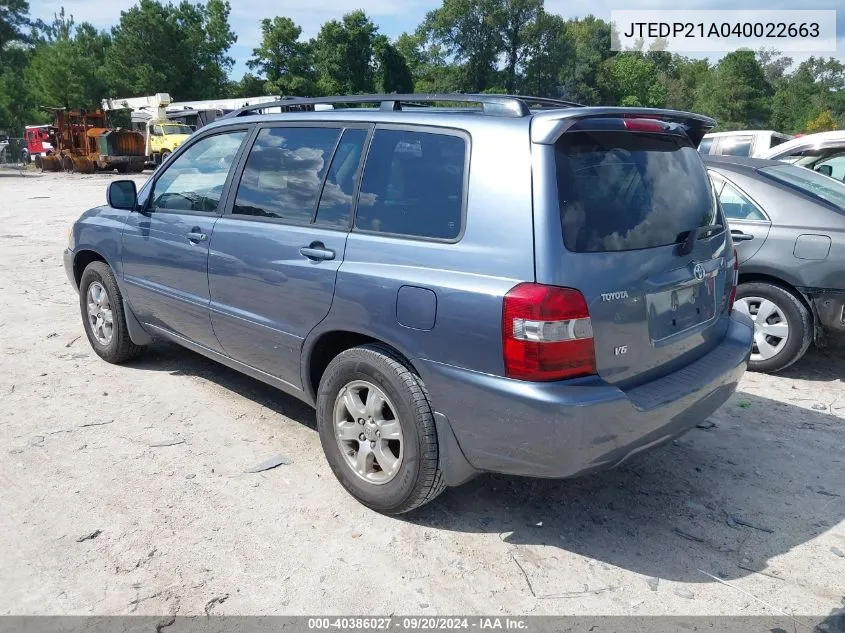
[284,173]
[194,180]
[833,167]
[413,184]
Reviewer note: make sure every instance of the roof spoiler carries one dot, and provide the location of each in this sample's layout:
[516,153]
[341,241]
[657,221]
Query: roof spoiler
[547,127]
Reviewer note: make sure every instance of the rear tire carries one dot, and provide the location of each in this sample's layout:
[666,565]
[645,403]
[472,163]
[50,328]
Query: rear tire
[784,333]
[372,371]
[112,344]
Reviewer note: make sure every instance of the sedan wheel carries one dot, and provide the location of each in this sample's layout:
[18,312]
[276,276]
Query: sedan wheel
[771,327]
[783,324]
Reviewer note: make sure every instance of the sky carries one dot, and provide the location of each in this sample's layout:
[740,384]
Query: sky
[393,17]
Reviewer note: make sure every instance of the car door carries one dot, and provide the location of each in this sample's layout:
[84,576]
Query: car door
[165,245]
[748,222]
[275,253]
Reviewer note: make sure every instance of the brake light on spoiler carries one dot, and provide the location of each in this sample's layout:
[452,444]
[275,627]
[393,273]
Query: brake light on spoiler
[546,333]
[644,125]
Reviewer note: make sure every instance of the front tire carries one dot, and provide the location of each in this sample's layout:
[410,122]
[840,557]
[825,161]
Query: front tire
[101,305]
[783,326]
[377,430]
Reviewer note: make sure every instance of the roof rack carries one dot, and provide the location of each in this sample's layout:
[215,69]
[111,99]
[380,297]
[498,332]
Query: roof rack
[497,105]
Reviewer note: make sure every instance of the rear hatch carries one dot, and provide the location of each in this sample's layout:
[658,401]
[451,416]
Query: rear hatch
[644,240]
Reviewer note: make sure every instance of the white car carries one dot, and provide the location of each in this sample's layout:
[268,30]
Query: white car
[823,152]
[752,143]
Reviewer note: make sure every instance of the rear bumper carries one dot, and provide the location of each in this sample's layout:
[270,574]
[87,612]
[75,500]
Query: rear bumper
[563,429]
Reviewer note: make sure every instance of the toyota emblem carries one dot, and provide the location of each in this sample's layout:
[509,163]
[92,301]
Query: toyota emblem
[699,271]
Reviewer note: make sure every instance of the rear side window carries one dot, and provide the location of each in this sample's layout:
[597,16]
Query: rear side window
[623,191]
[284,173]
[705,145]
[413,184]
[737,206]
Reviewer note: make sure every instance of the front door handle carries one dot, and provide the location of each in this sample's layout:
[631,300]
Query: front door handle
[317,251]
[739,236]
[195,236]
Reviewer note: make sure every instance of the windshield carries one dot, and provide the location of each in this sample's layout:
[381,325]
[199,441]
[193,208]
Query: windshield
[810,182]
[176,128]
[620,191]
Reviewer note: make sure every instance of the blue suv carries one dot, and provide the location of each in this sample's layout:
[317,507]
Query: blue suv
[457,283]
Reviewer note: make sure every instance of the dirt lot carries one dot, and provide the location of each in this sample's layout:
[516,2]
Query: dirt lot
[757,501]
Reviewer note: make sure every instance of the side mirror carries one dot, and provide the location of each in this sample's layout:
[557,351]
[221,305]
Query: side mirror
[122,194]
[827,170]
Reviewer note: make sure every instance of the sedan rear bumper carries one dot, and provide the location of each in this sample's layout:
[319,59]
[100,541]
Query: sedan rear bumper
[568,428]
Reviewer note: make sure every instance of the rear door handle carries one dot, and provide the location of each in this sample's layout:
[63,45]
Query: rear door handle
[739,236]
[195,236]
[317,251]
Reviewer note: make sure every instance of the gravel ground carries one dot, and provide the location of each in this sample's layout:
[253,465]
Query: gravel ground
[744,517]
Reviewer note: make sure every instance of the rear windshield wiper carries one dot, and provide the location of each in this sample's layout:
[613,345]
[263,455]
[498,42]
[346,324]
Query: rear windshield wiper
[689,240]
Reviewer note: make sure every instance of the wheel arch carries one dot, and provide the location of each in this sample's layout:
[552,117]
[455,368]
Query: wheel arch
[320,348]
[82,258]
[777,281]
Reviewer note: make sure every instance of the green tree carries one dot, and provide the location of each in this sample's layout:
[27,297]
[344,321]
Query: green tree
[590,45]
[681,79]
[17,107]
[249,86]
[470,32]
[283,59]
[14,18]
[632,80]
[774,65]
[816,86]
[392,71]
[548,49]
[736,94]
[66,65]
[518,18]
[344,55]
[176,49]
[427,64]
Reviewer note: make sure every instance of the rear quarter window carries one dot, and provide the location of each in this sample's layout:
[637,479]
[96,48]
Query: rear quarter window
[622,191]
[413,184]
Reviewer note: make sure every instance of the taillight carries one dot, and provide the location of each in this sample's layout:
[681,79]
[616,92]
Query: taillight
[546,333]
[734,282]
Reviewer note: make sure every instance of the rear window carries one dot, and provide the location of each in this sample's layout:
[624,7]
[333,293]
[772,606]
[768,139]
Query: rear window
[622,191]
[809,182]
